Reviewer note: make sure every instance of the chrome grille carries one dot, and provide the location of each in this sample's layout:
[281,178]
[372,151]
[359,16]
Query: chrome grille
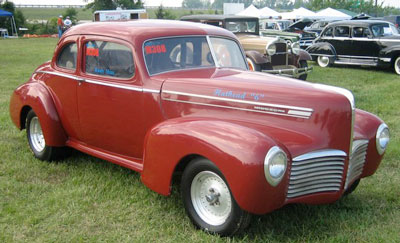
[357,160]
[281,56]
[318,171]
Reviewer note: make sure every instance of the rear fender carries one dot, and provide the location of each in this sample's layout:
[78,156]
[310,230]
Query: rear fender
[35,96]
[257,57]
[236,150]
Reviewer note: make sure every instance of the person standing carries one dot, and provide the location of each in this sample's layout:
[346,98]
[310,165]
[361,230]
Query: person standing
[67,23]
[60,25]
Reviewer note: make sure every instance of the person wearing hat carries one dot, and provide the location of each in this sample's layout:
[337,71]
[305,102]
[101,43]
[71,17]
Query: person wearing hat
[60,25]
[67,23]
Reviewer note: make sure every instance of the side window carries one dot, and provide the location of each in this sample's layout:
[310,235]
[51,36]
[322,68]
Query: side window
[360,32]
[342,31]
[67,57]
[328,32]
[109,59]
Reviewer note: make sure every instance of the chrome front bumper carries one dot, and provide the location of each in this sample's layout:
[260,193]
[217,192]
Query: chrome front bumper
[289,71]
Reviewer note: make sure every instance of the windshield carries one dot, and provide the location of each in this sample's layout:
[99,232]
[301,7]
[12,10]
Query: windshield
[384,29]
[179,53]
[242,26]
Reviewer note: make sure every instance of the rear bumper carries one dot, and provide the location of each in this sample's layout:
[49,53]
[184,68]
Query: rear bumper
[289,71]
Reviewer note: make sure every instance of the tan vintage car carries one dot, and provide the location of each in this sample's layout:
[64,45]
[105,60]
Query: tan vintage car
[267,54]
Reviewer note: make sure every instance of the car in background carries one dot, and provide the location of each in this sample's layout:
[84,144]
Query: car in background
[267,54]
[358,42]
[395,19]
[274,27]
[172,99]
[287,26]
[318,26]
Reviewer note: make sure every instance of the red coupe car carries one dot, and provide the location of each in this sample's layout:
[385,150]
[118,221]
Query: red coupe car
[173,97]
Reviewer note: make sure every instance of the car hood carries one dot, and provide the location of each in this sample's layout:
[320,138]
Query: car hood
[274,105]
[301,24]
[255,42]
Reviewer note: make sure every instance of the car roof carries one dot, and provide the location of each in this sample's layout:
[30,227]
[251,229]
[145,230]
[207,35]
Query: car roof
[215,17]
[366,22]
[146,29]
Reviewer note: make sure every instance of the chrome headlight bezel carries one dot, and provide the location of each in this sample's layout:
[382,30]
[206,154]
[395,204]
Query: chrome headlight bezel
[382,138]
[270,49]
[295,48]
[275,164]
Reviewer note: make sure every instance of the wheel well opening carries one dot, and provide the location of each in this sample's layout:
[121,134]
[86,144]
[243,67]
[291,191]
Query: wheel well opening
[395,56]
[180,167]
[24,112]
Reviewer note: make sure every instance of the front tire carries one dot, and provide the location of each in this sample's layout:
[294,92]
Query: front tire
[396,65]
[324,61]
[208,200]
[253,66]
[37,142]
[303,64]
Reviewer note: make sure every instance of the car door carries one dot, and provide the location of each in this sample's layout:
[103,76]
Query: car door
[342,42]
[110,98]
[62,83]
[366,47]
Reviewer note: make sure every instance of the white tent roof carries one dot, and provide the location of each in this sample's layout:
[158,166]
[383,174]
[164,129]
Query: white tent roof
[250,11]
[332,14]
[267,12]
[300,13]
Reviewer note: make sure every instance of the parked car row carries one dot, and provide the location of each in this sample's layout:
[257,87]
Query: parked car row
[169,98]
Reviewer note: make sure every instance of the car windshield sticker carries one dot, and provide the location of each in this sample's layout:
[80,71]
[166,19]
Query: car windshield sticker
[92,52]
[154,49]
[107,71]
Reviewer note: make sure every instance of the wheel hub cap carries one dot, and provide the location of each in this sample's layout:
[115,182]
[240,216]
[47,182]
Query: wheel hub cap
[36,135]
[211,198]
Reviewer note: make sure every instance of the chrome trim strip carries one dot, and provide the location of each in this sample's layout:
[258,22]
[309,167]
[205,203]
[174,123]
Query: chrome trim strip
[102,83]
[358,57]
[359,39]
[236,108]
[319,154]
[238,101]
[385,59]
[355,63]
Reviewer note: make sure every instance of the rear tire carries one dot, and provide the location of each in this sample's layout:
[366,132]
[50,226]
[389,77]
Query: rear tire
[208,200]
[37,142]
[324,61]
[303,64]
[396,65]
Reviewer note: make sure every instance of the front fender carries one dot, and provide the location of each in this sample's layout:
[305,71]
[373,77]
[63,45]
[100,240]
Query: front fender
[321,48]
[35,96]
[257,57]
[236,150]
[303,55]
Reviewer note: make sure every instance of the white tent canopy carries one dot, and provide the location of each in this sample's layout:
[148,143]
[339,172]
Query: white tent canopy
[250,11]
[332,14]
[300,13]
[267,12]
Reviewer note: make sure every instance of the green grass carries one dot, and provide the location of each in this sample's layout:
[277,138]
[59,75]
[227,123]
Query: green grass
[48,13]
[83,14]
[83,198]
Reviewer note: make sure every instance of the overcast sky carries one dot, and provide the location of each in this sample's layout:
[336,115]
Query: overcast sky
[169,3]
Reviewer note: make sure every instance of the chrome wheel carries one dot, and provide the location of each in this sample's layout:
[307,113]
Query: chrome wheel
[397,65]
[323,61]
[36,135]
[211,198]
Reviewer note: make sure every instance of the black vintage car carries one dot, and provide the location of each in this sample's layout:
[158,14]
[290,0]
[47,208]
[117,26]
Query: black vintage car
[358,42]
[267,54]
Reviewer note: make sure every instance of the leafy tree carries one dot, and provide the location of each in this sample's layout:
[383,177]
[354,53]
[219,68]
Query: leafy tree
[162,13]
[113,4]
[18,16]
[196,3]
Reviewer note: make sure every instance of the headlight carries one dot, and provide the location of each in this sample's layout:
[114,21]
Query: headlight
[275,165]
[296,48]
[271,49]
[382,138]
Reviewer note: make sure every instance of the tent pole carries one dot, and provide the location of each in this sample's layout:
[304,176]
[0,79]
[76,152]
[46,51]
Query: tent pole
[14,26]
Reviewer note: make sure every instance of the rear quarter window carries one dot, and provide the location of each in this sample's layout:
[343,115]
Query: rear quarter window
[67,57]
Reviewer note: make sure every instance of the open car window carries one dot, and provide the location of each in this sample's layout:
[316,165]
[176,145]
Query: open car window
[180,53]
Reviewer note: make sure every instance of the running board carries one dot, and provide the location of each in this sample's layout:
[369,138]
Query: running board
[127,162]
